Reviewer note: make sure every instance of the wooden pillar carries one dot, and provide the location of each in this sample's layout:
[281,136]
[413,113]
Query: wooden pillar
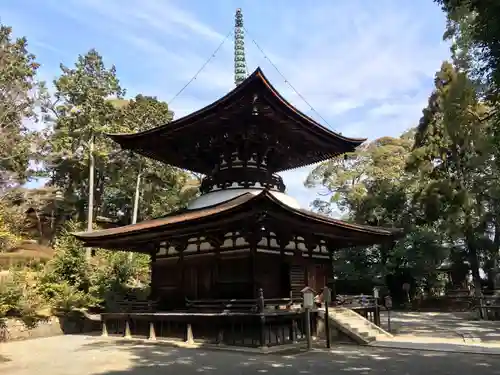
[152,332]
[189,334]
[127,334]
[332,275]
[253,256]
[104,328]
[183,276]
[261,306]
[283,277]
[215,273]
[308,264]
[216,241]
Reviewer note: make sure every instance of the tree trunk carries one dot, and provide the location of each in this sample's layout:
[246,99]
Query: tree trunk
[90,216]
[494,257]
[474,265]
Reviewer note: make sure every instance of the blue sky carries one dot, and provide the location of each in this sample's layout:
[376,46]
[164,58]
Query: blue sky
[365,66]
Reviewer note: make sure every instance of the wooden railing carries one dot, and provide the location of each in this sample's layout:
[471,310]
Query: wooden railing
[222,304]
[366,306]
[134,305]
[258,304]
[245,322]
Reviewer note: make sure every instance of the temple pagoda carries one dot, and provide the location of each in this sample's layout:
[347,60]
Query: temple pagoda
[243,232]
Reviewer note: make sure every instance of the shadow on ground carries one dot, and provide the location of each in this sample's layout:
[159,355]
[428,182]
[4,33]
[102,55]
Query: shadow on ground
[150,359]
[444,325]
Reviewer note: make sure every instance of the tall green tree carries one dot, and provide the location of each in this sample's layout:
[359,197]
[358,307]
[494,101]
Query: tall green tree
[371,187]
[81,113]
[161,188]
[474,30]
[20,96]
[450,155]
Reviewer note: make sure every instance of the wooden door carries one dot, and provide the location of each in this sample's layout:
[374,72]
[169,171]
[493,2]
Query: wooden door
[190,282]
[204,279]
[316,277]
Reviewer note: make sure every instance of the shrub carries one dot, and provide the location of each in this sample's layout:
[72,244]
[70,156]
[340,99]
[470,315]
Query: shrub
[8,237]
[69,263]
[70,281]
[114,274]
[65,297]
[19,297]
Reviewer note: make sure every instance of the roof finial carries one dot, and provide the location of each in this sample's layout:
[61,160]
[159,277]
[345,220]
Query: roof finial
[239,49]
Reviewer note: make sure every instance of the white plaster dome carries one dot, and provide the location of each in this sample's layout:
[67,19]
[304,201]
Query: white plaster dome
[219,196]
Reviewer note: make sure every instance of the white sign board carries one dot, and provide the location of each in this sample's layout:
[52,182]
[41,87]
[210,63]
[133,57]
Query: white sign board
[308,300]
[375,292]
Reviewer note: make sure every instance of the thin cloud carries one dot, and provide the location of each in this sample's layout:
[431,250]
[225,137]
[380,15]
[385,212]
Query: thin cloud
[365,67]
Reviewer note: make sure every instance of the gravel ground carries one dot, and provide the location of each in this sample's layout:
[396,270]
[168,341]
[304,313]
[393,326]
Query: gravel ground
[87,355]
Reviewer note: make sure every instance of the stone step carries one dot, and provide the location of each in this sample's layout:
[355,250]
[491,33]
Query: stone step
[359,328]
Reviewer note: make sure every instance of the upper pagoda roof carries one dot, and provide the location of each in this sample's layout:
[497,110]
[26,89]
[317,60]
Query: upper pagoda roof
[254,113]
[203,220]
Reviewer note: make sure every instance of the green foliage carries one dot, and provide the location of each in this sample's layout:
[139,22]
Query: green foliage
[69,281]
[20,93]
[19,297]
[371,187]
[65,282]
[474,31]
[64,297]
[69,264]
[8,235]
[452,156]
[88,104]
[162,187]
[78,117]
[437,183]
[115,274]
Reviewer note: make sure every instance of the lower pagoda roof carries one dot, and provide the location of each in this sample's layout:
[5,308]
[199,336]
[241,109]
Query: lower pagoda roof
[270,211]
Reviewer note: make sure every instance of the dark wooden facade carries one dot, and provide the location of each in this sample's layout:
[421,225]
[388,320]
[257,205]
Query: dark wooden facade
[233,249]
[237,275]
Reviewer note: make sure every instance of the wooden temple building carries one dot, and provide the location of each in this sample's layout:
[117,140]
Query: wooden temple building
[243,236]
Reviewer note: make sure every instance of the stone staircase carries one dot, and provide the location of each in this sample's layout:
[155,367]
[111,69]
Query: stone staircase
[355,326]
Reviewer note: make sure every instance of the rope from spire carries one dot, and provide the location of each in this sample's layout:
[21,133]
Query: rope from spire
[201,68]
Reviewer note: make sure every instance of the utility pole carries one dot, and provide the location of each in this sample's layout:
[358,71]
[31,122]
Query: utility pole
[136,203]
[90,219]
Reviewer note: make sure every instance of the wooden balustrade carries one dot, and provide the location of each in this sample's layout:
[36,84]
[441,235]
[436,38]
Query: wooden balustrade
[243,322]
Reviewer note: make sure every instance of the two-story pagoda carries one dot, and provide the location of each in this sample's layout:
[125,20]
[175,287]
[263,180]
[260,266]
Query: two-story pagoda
[243,232]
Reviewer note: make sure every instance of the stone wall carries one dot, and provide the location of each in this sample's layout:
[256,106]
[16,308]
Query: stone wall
[15,329]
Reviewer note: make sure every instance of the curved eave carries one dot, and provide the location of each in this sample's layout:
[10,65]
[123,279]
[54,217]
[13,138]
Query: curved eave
[212,214]
[176,125]
[175,219]
[302,118]
[309,215]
